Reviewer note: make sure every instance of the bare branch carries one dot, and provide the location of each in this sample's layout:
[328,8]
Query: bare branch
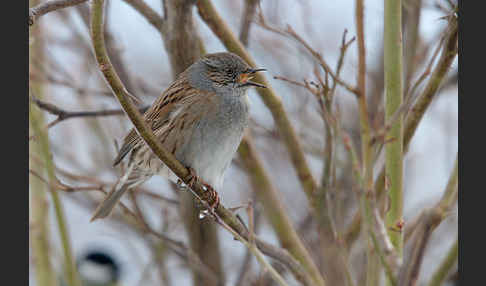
[49,6]
[152,17]
[64,115]
[248,14]
[429,221]
[292,34]
[440,275]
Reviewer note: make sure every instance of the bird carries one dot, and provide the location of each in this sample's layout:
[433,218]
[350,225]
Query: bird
[200,118]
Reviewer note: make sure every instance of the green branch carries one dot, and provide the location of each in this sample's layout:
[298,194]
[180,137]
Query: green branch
[39,234]
[69,264]
[38,215]
[393,99]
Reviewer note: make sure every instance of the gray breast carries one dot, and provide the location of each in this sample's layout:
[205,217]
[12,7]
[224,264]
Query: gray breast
[216,138]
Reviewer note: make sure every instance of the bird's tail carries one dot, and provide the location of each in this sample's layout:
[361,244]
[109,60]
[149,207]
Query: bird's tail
[106,206]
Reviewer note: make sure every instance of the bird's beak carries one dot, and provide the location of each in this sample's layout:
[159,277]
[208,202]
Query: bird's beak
[248,75]
[251,71]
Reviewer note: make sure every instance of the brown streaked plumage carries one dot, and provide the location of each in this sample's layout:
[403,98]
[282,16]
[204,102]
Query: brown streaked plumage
[200,118]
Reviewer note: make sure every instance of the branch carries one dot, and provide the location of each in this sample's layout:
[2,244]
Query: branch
[44,149]
[447,57]
[440,274]
[250,244]
[38,213]
[410,272]
[168,158]
[97,186]
[292,34]
[49,6]
[245,267]
[393,101]
[335,266]
[388,255]
[248,14]
[411,23]
[64,115]
[275,211]
[367,196]
[430,220]
[447,201]
[152,17]
[181,39]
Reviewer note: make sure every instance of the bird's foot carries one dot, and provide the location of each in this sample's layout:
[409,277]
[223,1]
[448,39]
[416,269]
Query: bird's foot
[210,196]
[191,179]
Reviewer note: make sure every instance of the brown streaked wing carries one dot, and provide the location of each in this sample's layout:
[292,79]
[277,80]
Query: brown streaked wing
[179,93]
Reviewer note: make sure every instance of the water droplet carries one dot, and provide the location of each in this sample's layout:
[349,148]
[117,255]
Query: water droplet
[203,214]
[181,184]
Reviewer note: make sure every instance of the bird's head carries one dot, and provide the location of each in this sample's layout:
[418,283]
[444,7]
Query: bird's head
[223,72]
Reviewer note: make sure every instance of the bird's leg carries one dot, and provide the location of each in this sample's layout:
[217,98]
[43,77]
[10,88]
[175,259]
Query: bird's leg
[191,179]
[211,196]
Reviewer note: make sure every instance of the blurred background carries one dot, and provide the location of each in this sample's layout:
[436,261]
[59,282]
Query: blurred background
[64,73]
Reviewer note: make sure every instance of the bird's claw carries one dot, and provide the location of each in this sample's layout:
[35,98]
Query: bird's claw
[191,179]
[211,197]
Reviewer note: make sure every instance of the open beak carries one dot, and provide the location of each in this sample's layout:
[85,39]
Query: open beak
[249,82]
[251,71]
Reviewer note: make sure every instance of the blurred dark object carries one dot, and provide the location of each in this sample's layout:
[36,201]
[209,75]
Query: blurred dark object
[98,268]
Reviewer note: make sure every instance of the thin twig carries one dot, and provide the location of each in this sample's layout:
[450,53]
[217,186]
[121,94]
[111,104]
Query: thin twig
[344,47]
[449,52]
[250,244]
[63,114]
[289,32]
[246,264]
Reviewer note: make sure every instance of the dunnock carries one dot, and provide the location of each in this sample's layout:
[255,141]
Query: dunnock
[200,118]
